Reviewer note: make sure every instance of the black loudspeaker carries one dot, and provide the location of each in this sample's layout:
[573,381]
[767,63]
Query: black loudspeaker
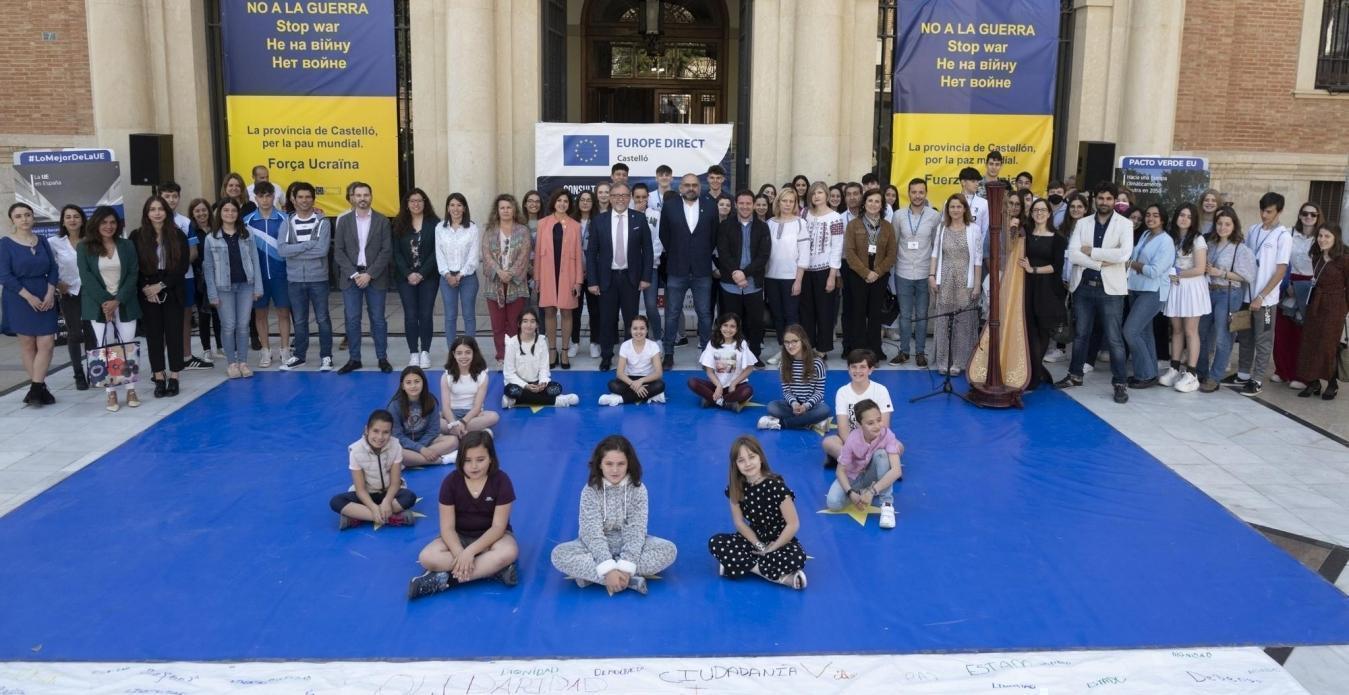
[151,159]
[1095,163]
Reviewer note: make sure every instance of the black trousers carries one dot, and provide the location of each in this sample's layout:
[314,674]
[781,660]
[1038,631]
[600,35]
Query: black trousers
[819,309]
[79,334]
[524,396]
[163,324]
[621,296]
[862,310]
[593,302]
[749,307]
[622,389]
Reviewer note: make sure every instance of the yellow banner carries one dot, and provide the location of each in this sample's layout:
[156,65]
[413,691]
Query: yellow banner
[935,147]
[326,141]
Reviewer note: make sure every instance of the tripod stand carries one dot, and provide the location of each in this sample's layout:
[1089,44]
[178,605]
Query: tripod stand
[946,385]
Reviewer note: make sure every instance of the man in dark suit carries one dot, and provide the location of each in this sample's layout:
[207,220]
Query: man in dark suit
[687,230]
[743,247]
[618,263]
[363,249]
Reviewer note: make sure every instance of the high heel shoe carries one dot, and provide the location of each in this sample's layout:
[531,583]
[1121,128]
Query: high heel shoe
[1312,389]
[552,359]
[1330,391]
[563,359]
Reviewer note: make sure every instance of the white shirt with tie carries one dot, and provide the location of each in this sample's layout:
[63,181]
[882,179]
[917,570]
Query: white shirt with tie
[620,238]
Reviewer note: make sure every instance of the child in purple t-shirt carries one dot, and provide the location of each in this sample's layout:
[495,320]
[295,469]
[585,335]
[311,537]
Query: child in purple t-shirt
[868,465]
[475,539]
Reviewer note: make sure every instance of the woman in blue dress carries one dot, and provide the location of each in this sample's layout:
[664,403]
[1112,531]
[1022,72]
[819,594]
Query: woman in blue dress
[29,275]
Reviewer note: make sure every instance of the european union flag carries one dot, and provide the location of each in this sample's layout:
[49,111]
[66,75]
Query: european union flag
[585,150]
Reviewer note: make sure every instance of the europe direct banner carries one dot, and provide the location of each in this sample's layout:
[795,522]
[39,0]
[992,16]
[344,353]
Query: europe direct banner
[311,93]
[973,76]
[579,155]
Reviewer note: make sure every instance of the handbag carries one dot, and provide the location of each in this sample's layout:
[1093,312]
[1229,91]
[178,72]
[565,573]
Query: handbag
[889,307]
[1066,331]
[1294,304]
[1343,357]
[1239,320]
[115,363]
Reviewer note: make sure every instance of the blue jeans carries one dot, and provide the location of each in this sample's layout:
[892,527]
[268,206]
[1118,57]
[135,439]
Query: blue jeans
[913,302]
[651,301]
[785,308]
[675,288]
[462,298]
[374,306]
[236,304]
[419,304]
[782,410]
[301,295]
[837,497]
[1090,305]
[1213,334]
[1143,308]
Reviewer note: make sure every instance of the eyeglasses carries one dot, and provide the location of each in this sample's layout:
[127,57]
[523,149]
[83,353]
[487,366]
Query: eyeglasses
[1309,213]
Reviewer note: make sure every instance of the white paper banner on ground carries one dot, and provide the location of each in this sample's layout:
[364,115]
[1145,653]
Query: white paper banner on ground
[579,155]
[1242,671]
[48,180]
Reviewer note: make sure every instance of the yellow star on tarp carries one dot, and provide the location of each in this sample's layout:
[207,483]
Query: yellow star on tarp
[535,409]
[858,515]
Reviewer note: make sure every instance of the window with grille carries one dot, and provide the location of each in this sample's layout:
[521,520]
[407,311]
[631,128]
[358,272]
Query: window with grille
[1332,58]
[1329,196]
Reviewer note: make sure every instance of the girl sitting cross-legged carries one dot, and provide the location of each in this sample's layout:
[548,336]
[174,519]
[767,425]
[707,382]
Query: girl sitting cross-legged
[614,548]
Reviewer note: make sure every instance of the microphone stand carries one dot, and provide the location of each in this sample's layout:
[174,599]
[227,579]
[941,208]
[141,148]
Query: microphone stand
[946,385]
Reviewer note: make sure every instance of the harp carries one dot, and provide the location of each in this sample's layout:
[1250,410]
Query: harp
[1000,367]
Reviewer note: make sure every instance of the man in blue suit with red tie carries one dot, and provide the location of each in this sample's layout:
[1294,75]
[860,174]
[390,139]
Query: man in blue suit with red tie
[687,232]
[618,263]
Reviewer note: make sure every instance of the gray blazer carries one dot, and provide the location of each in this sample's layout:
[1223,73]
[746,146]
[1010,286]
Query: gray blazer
[378,250]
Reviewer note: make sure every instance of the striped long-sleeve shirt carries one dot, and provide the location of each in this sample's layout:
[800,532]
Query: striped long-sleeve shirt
[808,392]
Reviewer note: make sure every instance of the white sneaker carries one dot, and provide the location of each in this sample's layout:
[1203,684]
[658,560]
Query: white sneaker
[1276,378]
[611,399]
[266,360]
[567,400]
[571,351]
[887,515]
[291,363]
[1187,383]
[507,402]
[326,365]
[285,356]
[768,422]
[774,360]
[425,360]
[1296,385]
[658,398]
[1055,355]
[1086,367]
[595,351]
[449,459]
[1169,377]
[414,360]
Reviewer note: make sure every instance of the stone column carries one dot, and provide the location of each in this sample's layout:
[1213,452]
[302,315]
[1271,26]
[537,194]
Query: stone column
[470,114]
[1147,120]
[430,92]
[817,97]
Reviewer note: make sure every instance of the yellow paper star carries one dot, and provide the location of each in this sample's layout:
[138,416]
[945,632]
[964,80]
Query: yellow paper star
[752,404]
[858,515]
[535,409]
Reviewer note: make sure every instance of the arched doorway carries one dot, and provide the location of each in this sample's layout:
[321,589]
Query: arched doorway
[678,76]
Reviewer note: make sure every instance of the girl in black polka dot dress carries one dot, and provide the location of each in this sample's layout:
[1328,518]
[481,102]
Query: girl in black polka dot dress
[765,522]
